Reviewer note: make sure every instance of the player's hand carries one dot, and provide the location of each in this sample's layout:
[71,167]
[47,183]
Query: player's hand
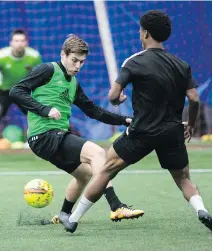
[188,131]
[129,120]
[122,97]
[54,114]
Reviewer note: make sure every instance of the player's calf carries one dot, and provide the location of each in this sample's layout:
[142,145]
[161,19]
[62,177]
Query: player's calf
[191,194]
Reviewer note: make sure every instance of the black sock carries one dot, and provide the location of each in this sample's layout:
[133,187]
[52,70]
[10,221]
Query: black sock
[67,206]
[112,198]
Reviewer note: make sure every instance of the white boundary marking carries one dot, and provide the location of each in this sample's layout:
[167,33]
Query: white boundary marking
[22,173]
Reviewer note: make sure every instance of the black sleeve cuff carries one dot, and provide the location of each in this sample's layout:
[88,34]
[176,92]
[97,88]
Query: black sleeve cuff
[124,121]
[45,111]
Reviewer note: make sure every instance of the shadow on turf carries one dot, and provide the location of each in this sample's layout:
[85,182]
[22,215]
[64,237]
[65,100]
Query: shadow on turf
[27,218]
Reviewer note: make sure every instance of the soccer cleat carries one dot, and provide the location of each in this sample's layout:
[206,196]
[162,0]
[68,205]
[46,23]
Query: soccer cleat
[205,218]
[69,226]
[64,219]
[57,219]
[125,212]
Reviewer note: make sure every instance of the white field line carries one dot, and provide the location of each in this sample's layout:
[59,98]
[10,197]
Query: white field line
[22,173]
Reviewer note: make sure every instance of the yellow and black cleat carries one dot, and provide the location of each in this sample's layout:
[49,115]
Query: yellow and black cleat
[55,220]
[119,214]
[125,212]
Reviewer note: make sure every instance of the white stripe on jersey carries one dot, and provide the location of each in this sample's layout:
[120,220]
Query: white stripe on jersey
[136,54]
[31,52]
[5,52]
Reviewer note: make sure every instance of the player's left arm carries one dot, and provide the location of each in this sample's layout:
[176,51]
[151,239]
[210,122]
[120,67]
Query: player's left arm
[116,95]
[96,112]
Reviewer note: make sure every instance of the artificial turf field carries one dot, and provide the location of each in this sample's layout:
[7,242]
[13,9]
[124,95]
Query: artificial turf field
[168,224]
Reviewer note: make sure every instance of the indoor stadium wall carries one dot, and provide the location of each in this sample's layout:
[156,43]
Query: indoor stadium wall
[48,24]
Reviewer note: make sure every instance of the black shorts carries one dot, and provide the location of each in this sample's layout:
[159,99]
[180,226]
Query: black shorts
[60,148]
[169,146]
[6,102]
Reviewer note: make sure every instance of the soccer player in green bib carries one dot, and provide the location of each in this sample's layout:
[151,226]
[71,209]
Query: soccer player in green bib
[15,63]
[48,93]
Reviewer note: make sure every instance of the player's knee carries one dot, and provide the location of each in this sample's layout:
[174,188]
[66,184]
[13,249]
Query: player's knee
[92,152]
[112,167]
[100,152]
[180,174]
[98,155]
[85,178]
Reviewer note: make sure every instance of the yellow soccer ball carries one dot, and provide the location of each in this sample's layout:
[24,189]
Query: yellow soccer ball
[206,138]
[38,193]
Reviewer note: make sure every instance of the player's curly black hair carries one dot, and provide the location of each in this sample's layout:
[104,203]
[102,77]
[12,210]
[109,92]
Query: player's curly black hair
[158,24]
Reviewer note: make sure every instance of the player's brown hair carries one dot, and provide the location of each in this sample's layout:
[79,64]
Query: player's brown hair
[74,44]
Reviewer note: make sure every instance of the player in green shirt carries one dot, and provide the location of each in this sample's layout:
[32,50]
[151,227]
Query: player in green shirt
[15,63]
[48,93]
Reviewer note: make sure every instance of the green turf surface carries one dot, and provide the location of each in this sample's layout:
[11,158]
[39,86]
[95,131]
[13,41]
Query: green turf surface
[199,158]
[168,224]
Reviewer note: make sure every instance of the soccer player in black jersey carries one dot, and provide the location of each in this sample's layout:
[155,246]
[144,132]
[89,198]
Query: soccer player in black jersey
[160,82]
[48,93]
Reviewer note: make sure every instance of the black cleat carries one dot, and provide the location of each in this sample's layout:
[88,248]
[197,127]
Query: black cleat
[205,218]
[64,219]
[71,226]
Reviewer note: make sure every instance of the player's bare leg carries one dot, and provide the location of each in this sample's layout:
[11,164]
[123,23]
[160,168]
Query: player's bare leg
[96,188]
[191,194]
[82,176]
[119,210]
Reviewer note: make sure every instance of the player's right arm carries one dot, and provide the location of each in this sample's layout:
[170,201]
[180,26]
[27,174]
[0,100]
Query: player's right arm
[21,93]
[116,95]
[194,102]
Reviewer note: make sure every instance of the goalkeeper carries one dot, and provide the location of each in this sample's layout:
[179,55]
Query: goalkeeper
[15,63]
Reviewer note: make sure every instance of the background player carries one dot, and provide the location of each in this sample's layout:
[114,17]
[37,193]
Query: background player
[160,83]
[16,62]
[48,93]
